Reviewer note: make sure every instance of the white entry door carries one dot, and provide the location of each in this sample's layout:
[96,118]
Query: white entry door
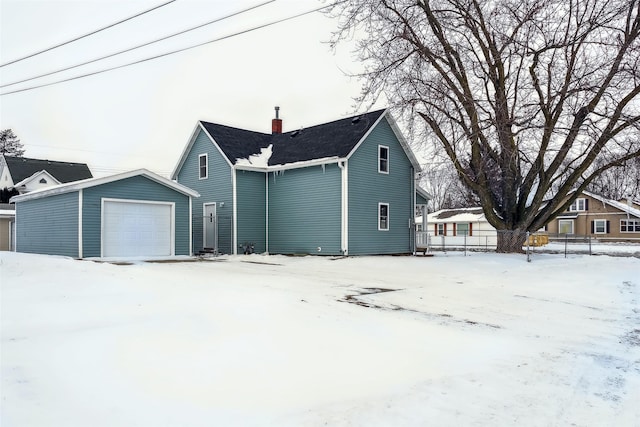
[136,228]
[210,227]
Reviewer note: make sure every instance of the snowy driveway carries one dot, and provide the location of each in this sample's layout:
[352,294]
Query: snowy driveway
[485,339]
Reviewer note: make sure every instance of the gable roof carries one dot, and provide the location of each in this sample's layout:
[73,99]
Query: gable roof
[34,176]
[21,168]
[456,215]
[92,182]
[624,207]
[332,140]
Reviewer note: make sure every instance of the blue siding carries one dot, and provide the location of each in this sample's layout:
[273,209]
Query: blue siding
[135,188]
[305,210]
[48,226]
[251,209]
[367,188]
[216,188]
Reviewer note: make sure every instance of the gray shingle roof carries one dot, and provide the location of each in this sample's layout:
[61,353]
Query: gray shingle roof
[22,167]
[333,139]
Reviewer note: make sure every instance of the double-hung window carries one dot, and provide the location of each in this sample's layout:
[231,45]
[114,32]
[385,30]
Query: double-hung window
[383,216]
[441,229]
[203,166]
[383,159]
[600,226]
[579,205]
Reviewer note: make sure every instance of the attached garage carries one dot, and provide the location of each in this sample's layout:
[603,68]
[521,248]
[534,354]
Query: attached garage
[134,214]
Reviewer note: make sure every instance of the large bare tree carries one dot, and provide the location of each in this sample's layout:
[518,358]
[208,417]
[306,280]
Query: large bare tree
[523,96]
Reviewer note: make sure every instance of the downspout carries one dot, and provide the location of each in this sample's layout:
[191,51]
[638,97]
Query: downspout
[235,212]
[190,226]
[80,202]
[266,213]
[412,227]
[344,231]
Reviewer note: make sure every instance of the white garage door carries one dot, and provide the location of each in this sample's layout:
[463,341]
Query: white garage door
[136,229]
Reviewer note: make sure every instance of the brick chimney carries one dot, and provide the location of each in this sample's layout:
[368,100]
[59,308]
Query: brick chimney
[276,124]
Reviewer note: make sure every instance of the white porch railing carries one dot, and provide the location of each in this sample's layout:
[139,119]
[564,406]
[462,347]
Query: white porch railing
[423,240]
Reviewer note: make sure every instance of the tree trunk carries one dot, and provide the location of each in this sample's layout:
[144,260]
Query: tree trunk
[511,241]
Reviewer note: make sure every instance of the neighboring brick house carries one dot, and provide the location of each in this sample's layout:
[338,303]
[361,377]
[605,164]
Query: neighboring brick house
[602,218]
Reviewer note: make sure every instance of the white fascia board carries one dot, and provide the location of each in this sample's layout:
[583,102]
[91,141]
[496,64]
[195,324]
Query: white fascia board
[613,203]
[295,165]
[403,142]
[35,176]
[366,135]
[215,144]
[186,150]
[92,182]
[421,191]
[189,146]
[396,130]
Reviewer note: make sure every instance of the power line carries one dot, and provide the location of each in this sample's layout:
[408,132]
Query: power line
[169,53]
[86,35]
[139,46]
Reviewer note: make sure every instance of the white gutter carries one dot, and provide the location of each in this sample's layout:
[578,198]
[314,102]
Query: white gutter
[295,165]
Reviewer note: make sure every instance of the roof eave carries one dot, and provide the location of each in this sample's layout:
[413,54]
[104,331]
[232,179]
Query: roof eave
[92,182]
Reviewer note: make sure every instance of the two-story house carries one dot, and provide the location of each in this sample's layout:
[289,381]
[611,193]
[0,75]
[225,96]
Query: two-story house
[341,188]
[593,215]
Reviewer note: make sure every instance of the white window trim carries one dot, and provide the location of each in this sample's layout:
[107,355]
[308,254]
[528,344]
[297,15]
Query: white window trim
[379,206]
[595,227]
[444,229]
[634,221]
[206,165]
[577,203]
[380,158]
[560,221]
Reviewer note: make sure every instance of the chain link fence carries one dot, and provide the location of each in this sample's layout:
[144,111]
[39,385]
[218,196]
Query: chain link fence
[529,243]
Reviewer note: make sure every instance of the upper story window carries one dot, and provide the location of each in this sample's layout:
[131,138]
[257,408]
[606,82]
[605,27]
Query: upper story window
[579,205]
[203,163]
[383,216]
[383,159]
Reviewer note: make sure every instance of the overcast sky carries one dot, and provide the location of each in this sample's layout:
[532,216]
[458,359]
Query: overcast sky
[143,115]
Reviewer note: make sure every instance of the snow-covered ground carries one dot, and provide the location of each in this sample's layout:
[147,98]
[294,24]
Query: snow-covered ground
[483,339]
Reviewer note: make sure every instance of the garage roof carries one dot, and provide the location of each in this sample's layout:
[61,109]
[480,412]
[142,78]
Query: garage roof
[92,182]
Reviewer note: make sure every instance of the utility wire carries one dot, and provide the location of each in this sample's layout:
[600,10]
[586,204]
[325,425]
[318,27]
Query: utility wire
[86,35]
[171,52]
[139,46]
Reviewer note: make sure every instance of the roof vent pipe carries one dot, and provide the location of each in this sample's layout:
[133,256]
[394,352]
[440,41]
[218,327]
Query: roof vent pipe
[276,124]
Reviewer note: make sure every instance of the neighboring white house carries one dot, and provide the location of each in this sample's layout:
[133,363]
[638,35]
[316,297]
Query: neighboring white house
[459,227]
[26,175]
